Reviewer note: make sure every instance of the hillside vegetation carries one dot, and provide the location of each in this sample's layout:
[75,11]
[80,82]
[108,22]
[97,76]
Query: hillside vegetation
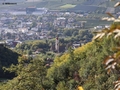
[99,5]
[83,66]
[80,67]
[7,57]
[57,4]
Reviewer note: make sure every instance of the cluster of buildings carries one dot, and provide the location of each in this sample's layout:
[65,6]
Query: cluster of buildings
[22,27]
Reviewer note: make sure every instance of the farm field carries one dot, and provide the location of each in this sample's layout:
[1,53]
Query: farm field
[66,6]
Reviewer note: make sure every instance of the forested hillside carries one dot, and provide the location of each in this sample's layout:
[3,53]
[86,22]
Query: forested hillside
[78,67]
[7,57]
[93,66]
[83,66]
[70,37]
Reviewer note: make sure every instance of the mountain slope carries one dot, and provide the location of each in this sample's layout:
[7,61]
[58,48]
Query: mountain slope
[7,57]
[84,66]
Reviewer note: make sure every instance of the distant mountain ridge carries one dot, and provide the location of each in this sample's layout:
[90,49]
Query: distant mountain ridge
[92,6]
[94,2]
[89,5]
[81,5]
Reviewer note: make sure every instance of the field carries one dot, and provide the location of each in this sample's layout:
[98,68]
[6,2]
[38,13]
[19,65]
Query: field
[66,6]
[58,4]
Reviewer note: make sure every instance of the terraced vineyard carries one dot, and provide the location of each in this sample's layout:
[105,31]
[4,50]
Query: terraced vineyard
[81,5]
[77,5]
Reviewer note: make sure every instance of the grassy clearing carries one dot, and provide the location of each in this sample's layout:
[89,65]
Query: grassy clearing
[66,6]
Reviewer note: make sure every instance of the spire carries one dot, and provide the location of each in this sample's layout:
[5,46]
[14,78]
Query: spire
[57,44]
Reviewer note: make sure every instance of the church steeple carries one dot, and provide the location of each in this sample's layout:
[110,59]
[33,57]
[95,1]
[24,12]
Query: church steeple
[57,44]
